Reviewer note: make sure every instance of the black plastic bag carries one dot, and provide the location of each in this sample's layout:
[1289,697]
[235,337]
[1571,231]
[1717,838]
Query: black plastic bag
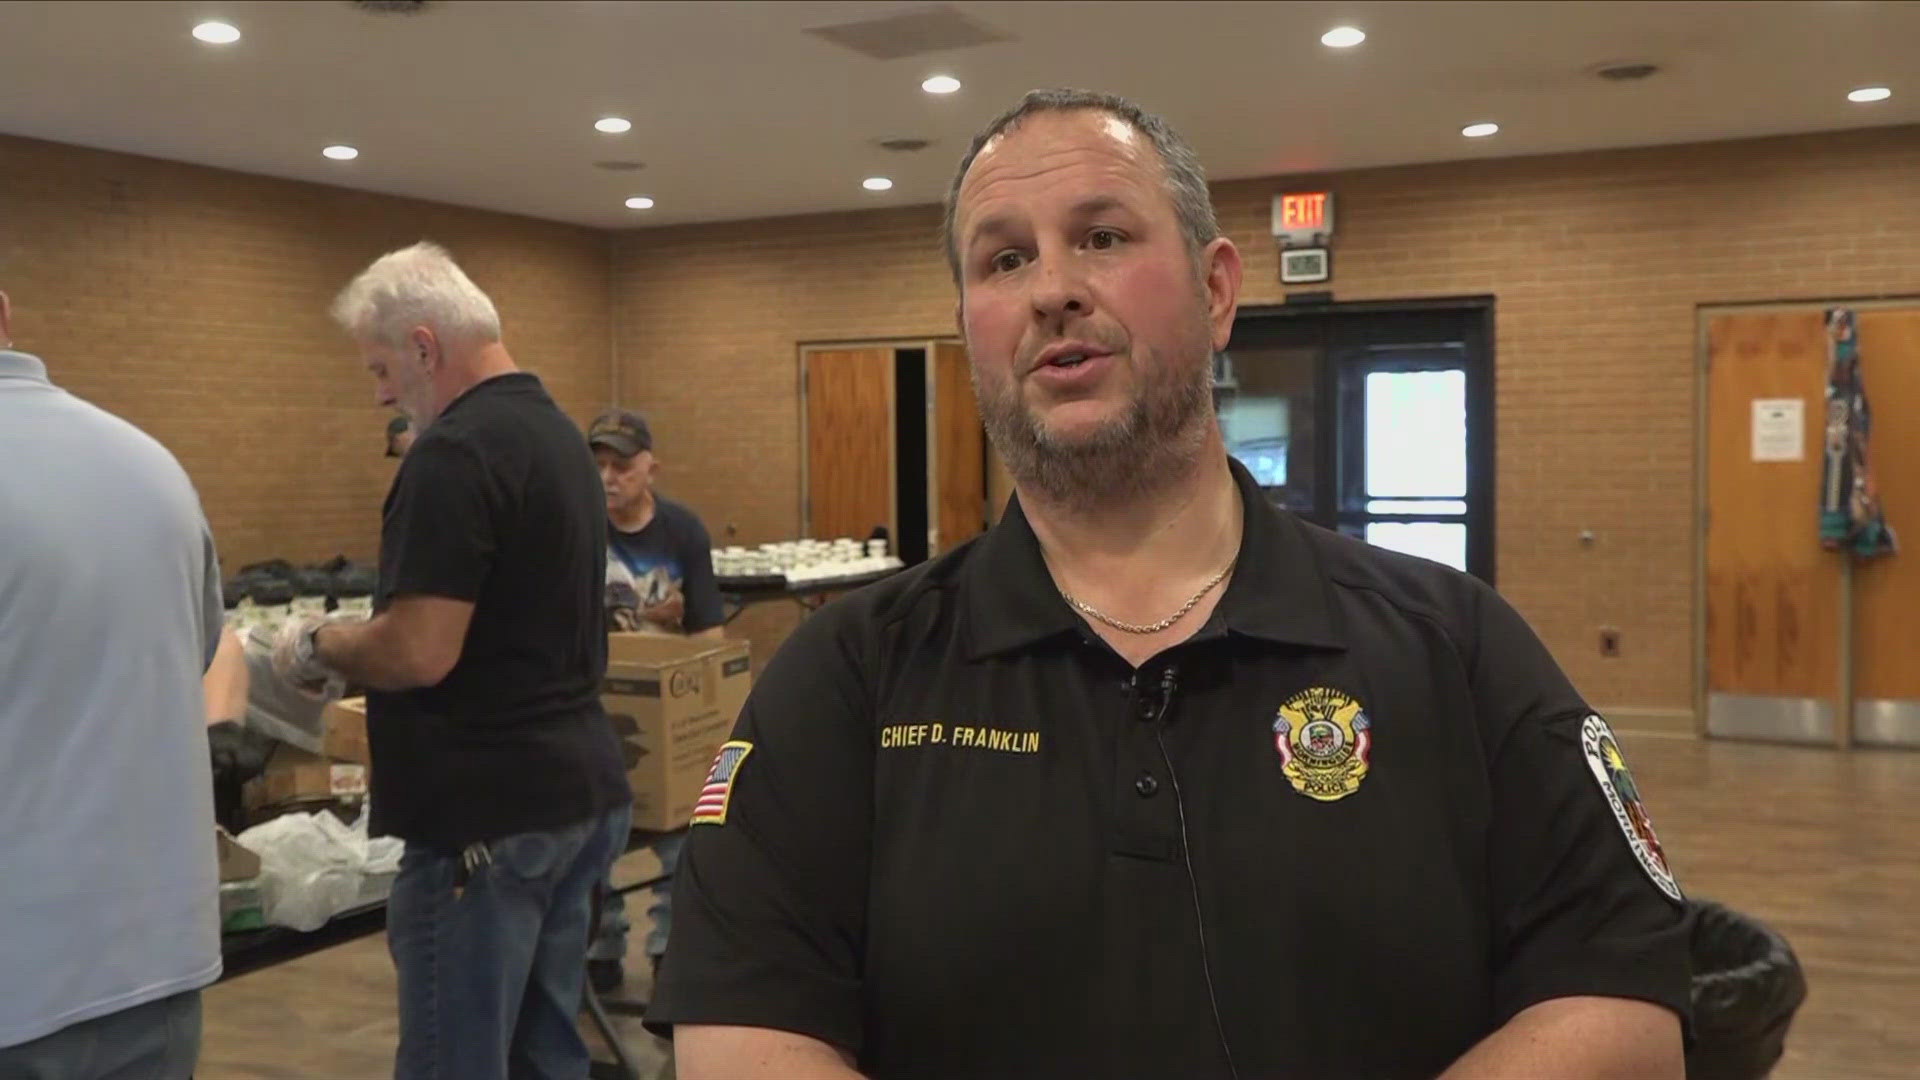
[271,593]
[351,581]
[272,568]
[313,582]
[238,754]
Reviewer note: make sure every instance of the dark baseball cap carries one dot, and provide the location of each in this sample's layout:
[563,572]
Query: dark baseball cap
[624,433]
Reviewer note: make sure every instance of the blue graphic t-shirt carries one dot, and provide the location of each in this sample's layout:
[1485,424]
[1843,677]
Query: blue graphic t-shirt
[663,574]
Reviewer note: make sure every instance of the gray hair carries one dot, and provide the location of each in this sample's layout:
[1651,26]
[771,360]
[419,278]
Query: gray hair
[415,286]
[1186,181]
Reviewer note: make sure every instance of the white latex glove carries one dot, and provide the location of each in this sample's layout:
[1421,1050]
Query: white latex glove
[295,659]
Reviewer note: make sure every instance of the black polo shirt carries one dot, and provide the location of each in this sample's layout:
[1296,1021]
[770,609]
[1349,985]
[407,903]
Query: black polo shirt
[948,837]
[498,504]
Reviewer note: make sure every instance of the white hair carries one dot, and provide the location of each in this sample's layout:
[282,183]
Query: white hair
[415,286]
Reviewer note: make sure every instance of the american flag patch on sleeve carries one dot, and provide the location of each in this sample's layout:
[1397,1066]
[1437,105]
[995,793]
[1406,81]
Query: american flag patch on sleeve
[717,792]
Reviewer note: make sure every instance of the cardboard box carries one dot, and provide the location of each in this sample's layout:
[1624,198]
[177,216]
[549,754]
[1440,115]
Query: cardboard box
[294,776]
[345,736]
[673,702]
[236,862]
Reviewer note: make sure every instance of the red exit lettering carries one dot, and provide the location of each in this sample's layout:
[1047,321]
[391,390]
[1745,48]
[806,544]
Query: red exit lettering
[1307,211]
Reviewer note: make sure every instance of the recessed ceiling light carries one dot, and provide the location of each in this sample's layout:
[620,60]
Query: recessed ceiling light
[613,125]
[217,33]
[340,153]
[1868,94]
[1343,37]
[1480,131]
[941,84]
[876,183]
[639,202]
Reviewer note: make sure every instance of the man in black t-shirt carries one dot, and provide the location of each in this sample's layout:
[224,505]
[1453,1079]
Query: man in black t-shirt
[491,756]
[659,577]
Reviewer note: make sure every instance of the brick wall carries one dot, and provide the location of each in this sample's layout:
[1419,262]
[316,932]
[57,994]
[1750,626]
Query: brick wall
[193,301]
[1598,262]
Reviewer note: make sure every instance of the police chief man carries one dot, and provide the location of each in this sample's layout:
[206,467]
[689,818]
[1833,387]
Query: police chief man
[491,755]
[1155,779]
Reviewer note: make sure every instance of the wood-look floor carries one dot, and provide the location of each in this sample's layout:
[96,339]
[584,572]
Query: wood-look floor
[330,1015]
[1823,846]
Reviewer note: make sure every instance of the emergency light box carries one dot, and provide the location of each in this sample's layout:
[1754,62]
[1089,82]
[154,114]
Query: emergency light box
[673,702]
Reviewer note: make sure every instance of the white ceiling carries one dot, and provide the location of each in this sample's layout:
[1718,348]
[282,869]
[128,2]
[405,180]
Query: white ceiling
[739,113]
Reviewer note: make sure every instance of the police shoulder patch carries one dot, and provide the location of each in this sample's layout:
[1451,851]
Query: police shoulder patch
[1609,768]
[717,793]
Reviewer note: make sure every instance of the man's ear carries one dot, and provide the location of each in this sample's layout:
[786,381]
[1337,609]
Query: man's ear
[423,347]
[1221,262]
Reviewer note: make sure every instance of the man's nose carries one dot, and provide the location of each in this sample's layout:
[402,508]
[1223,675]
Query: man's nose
[1059,288]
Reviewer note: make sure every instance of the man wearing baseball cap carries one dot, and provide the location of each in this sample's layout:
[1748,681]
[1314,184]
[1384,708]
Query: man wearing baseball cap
[660,558]
[659,578]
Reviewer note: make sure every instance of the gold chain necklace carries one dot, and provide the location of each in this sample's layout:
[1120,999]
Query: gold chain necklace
[1090,611]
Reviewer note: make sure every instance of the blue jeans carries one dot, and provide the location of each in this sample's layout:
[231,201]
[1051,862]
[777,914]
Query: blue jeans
[610,937]
[156,1041]
[492,970]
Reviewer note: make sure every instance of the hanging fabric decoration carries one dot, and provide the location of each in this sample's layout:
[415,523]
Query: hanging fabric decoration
[1850,512]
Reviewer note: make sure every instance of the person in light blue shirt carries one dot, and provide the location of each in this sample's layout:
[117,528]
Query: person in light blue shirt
[110,613]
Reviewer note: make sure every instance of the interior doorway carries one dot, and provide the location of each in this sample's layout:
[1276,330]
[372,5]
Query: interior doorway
[1373,419]
[892,440]
[1798,643]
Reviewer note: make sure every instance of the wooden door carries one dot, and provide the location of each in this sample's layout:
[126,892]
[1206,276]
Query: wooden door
[850,462]
[958,501]
[1886,589]
[1773,594]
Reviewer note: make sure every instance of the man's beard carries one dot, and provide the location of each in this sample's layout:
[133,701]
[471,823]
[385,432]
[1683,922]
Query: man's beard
[1157,438]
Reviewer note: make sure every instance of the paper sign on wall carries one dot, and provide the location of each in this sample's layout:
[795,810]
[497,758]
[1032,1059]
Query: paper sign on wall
[1779,429]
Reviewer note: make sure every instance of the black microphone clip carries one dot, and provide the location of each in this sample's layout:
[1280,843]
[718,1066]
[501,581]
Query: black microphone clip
[1169,682]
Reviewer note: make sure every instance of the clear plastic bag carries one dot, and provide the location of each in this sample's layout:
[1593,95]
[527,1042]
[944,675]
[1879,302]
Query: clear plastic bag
[314,867]
[274,707]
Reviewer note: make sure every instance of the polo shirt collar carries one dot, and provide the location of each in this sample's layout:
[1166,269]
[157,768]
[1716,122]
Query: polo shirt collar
[19,365]
[1279,591]
[1012,601]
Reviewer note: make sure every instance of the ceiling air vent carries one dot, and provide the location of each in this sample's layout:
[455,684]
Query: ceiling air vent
[392,7]
[914,33]
[1626,72]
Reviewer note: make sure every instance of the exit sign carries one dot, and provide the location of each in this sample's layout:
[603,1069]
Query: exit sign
[1303,218]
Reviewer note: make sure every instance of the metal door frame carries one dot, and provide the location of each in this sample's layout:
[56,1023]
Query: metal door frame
[1477,314]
